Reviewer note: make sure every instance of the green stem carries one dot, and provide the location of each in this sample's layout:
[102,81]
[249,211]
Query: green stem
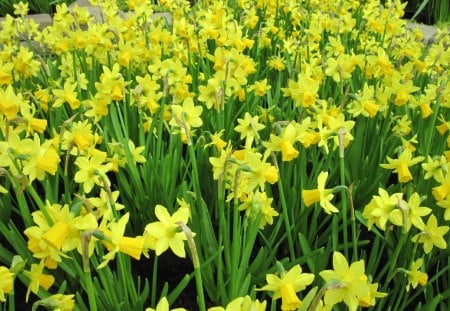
[11,301]
[430,133]
[285,210]
[393,261]
[154,280]
[40,204]
[344,206]
[90,292]
[199,285]
[195,178]
[236,243]
[196,262]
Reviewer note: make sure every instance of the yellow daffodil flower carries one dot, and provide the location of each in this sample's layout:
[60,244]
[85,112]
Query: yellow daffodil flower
[6,282]
[67,95]
[166,231]
[409,213]
[345,283]
[415,276]
[286,287]
[249,128]
[431,235]
[242,304]
[378,210]
[402,164]
[284,143]
[320,194]
[58,302]
[90,170]
[9,102]
[442,191]
[258,203]
[37,279]
[115,241]
[163,305]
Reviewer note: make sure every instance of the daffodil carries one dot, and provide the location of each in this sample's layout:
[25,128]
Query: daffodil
[217,141]
[415,276]
[67,95]
[345,283]
[321,195]
[25,63]
[409,213]
[6,282]
[166,231]
[50,242]
[402,126]
[442,191]
[115,241]
[163,305]
[402,90]
[364,103]
[78,134]
[256,170]
[57,302]
[6,72]
[242,304]
[286,286]
[90,171]
[219,164]
[402,164]
[9,102]
[187,114]
[370,300]
[431,235]
[284,143]
[44,159]
[112,83]
[304,91]
[445,204]
[435,168]
[260,88]
[379,210]
[249,128]
[212,94]
[37,279]
[256,204]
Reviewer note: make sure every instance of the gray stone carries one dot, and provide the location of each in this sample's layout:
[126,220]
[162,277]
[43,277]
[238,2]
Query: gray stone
[43,20]
[94,11]
[429,32]
[166,15]
[80,3]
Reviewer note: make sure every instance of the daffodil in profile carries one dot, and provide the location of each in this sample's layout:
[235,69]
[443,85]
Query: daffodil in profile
[321,195]
[6,282]
[58,302]
[415,275]
[284,143]
[402,164]
[442,191]
[38,279]
[115,241]
[286,287]
[166,232]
